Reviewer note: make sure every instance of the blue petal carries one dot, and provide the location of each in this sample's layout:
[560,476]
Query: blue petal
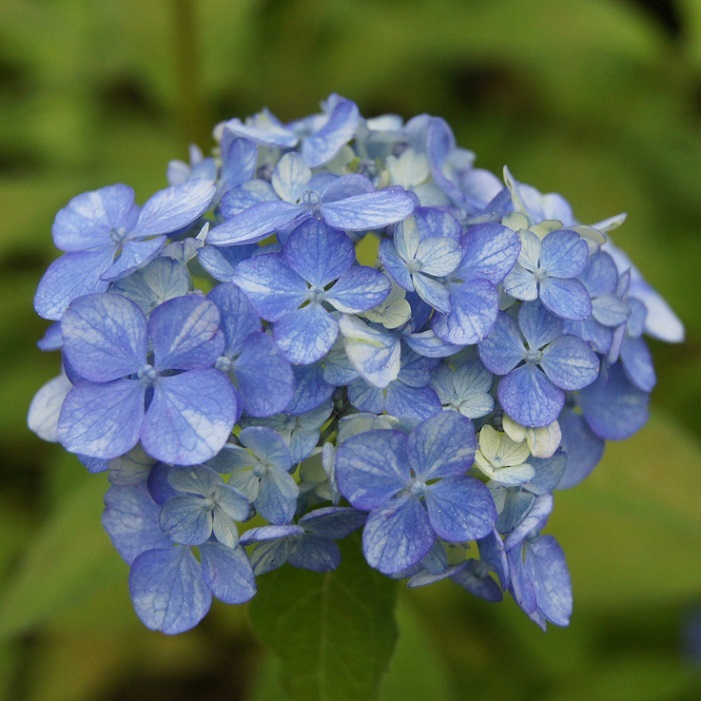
[238,318]
[277,496]
[520,586]
[245,196]
[291,177]
[490,252]
[168,590]
[433,292]
[637,363]
[134,255]
[359,289]
[503,349]
[174,208]
[371,467]
[319,253]
[228,573]
[87,220]
[306,335]
[529,397]
[460,509]
[159,281]
[271,285]
[312,552]
[565,297]
[187,519]
[521,284]
[373,353]
[439,256]
[477,582]
[185,334]
[270,555]
[102,420]
[532,520]
[266,129]
[610,310]
[395,265]
[69,277]
[190,417]
[311,389]
[601,275]
[131,520]
[221,262]
[397,535]
[369,211]
[564,254]
[333,521]
[429,345]
[239,160]
[570,363]
[268,446]
[547,570]
[538,325]
[405,401]
[324,144]
[474,305]
[584,449]
[255,223]
[613,407]
[442,446]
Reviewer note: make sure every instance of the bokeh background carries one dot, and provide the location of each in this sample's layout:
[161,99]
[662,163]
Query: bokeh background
[599,100]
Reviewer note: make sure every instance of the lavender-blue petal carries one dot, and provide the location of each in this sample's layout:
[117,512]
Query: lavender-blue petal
[434,292]
[255,223]
[584,448]
[534,519]
[521,283]
[272,286]
[359,289]
[168,590]
[174,208]
[564,254]
[429,345]
[570,363]
[159,281]
[460,508]
[395,265]
[529,397]
[407,402]
[480,584]
[228,573]
[333,522]
[220,262]
[397,535]
[245,196]
[474,305]
[316,553]
[45,408]
[520,585]
[102,420]
[277,496]
[637,363]
[490,252]
[439,255]
[613,407]
[566,298]
[305,335]
[268,446]
[190,417]
[134,255]
[69,277]
[131,521]
[310,389]
[319,253]
[321,146]
[502,350]
[238,317]
[538,325]
[368,211]
[441,446]
[547,570]
[371,467]
[187,519]
[239,160]
[271,554]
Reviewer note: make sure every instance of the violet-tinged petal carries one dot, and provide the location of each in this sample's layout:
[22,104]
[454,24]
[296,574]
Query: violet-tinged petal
[220,262]
[173,208]
[372,467]
[637,363]
[272,286]
[190,417]
[104,337]
[46,408]
[613,407]
[312,552]
[168,590]
[474,305]
[477,581]
[442,446]
[490,252]
[566,297]
[503,348]
[333,521]
[310,389]
[433,292]
[570,363]
[187,519]
[529,397]
[51,340]
[321,146]
[239,159]
[69,277]
[185,334]
[564,254]
[228,573]
[134,255]
[534,520]
[369,211]
[102,420]
[306,335]
[255,223]
[520,586]
[238,318]
[246,196]
[538,325]
[131,521]
[460,509]
[584,449]
[429,345]
[404,401]
[359,289]
[397,535]
[319,253]
[547,570]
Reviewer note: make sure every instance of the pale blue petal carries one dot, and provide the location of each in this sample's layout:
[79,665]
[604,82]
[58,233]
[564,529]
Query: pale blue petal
[228,573]
[460,509]
[371,467]
[268,446]
[570,363]
[433,292]
[397,535]
[46,407]
[529,397]
[416,369]
[69,277]
[324,144]
[190,417]
[601,275]
[239,160]
[159,281]
[187,519]
[359,289]
[305,335]
[334,188]
[199,480]
[134,255]
[277,496]
[610,310]
[264,129]
[238,318]
[503,349]
[271,285]
[255,223]
[168,591]
[490,252]
[637,363]
[87,220]
[221,262]
[245,196]
[270,555]
[429,345]
[102,420]
[291,177]
[520,586]
[174,208]
[439,256]
[131,521]
[547,570]
[369,211]
[565,297]
[521,284]
[185,334]
[442,446]
[564,254]
[319,253]
[474,306]
[394,265]
[432,221]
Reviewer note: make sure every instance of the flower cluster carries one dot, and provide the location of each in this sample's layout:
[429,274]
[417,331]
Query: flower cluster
[227,357]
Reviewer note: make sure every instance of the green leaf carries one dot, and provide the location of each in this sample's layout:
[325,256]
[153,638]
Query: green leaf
[334,633]
[69,558]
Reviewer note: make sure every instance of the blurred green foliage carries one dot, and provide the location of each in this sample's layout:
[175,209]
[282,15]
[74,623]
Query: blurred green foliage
[597,99]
